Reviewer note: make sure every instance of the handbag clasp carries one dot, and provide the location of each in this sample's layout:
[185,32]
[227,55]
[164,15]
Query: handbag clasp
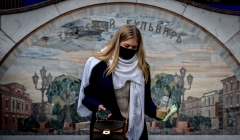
[106,132]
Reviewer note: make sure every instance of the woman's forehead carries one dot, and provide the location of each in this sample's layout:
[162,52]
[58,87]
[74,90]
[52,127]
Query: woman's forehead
[131,41]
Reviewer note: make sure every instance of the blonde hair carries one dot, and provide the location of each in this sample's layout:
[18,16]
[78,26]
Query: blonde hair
[111,50]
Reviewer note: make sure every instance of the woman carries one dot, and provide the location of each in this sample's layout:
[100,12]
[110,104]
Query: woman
[118,77]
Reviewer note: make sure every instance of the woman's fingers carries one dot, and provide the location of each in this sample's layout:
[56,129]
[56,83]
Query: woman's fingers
[109,115]
[101,107]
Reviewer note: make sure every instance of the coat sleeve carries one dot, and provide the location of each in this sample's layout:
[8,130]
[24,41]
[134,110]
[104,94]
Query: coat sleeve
[150,107]
[90,100]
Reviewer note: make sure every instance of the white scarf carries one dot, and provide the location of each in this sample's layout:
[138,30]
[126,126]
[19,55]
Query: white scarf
[125,70]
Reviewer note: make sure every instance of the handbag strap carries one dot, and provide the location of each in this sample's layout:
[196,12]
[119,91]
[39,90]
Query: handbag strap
[126,121]
[125,129]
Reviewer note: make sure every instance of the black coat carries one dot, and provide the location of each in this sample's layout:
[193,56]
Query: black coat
[101,91]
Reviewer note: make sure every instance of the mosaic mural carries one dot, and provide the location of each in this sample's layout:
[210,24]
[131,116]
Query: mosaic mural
[184,66]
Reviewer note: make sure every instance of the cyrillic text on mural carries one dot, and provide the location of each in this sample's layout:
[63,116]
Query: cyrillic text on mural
[97,25]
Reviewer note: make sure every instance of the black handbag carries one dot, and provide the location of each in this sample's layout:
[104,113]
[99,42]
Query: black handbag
[109,130]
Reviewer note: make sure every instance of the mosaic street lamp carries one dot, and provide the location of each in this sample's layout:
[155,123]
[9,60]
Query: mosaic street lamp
[183,72]
[179,80]
[35,79]
[46,80]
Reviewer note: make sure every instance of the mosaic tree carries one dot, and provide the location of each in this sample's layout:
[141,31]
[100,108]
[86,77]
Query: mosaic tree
[164,85]
[63,93]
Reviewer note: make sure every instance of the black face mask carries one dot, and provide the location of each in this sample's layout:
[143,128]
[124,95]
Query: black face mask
[126,53]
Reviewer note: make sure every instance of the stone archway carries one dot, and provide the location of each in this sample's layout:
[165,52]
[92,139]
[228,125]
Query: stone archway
[180,32]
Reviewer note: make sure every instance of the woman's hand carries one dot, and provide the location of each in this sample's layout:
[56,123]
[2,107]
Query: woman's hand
[101,107]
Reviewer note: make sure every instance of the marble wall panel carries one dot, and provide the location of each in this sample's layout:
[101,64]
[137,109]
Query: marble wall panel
[79,14]
[188,26]
[109,1]
[166,16]
[233,45]
[69,5]
[5,44]
[25,44]
[171,5]
[89,11]
[124,8]
[194,30]
[217,47]
[7,64]
[234,67]
[80,71]
[204,36]
[175,20]
[65,64]
[57,24]
[17,52]
[19,25]
[39,34]
[147,11]
[201,57]
[224,54]
[101,9]
[70,17]
[220,25]
[3,70]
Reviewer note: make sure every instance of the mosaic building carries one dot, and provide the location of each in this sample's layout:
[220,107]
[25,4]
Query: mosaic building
[192,106]
[210,107]
[15,104]
[231,103]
